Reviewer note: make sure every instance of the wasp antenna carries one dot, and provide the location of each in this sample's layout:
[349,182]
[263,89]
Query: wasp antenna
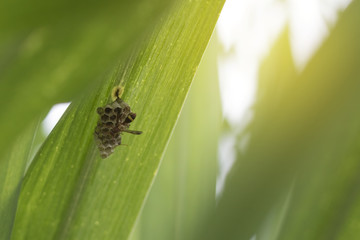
[117,92]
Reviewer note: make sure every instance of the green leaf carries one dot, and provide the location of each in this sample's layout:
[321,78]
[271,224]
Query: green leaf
[52,51]
[304,132]
[273,222]
[326,196]
[12,170]
[184,190]
[253,184]
[68,191]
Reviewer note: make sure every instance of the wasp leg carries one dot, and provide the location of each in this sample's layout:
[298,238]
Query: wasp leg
[133,132]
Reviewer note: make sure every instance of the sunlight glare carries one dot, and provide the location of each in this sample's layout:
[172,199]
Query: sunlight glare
[53,117]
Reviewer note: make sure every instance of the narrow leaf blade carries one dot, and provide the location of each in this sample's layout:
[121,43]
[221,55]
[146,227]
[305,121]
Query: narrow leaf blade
[69,193]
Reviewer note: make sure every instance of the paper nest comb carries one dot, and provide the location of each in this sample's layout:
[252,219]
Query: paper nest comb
[115,118]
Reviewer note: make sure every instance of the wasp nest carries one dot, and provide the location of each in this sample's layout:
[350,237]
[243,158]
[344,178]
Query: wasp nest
[115,118]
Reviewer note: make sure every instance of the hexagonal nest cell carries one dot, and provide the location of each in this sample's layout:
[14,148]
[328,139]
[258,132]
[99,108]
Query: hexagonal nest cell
[115,118]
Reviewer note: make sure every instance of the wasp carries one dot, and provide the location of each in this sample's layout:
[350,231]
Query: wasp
[115,119]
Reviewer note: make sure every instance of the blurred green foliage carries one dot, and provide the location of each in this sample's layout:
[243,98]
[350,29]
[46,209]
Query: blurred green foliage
[297,177]
[11,172]
[303,142]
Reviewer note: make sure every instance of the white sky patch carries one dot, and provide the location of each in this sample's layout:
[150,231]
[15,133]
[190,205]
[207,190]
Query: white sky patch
[53,117]
[309,22]
[227,158]
[236,94]
[247,30]
[308,29]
